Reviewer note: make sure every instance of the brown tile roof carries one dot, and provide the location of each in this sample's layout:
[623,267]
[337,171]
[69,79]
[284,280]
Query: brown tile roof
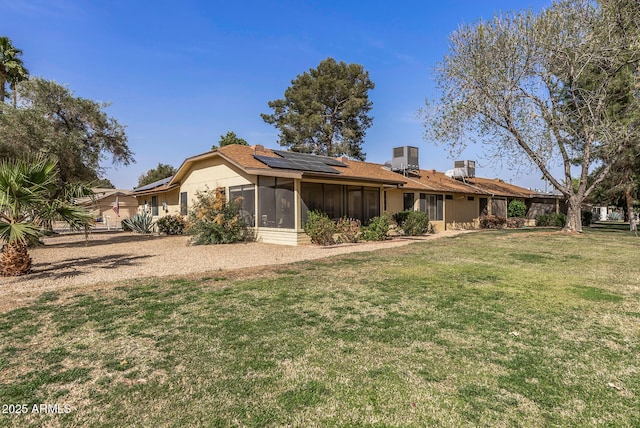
[427,180]
[498,187]
[439,182]
[243,157]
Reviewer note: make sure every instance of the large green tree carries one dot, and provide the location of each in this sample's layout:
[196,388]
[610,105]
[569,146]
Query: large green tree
[12,70]
[52,121]
[228,139]
[155,174]
[518,83]
[325,110]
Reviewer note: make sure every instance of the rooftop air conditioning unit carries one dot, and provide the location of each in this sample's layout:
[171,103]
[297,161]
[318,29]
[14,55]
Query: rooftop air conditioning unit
[462,169]
[405,158]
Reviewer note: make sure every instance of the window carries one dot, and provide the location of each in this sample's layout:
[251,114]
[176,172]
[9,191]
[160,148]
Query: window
[183,203]
[449,197]
[245,197]
[371,204]
[484,206]
[311,195]
[470,198]
[409,199]
[154,205]
[354,202]
[433,205]
[333,201]
[338,201]
[275,202]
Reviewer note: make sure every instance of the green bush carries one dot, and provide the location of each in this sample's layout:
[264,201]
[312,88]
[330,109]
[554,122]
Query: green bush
[320,228]
[139,223]
[492,222]
[415,224]
[377,230]
[348,230]
[553,220]
[213,220]
[171,225]
[587,218]
[401,217]
[516,209]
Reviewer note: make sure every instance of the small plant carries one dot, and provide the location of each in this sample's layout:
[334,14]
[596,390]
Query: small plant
[320,228]
[492,222]
[377,230]
[171,225]
[615,216]
[213,220]
[416,223]
[515,222]
[516,209]
[348,230]
[139,223]
[553,220]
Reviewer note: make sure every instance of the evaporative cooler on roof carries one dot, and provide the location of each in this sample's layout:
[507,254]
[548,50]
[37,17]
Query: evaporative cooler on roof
[405,158]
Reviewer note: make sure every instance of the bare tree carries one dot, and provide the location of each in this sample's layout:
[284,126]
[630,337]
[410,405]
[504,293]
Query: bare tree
[537,87]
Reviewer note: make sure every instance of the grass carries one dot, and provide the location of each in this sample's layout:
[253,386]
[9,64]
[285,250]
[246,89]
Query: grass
[504,328]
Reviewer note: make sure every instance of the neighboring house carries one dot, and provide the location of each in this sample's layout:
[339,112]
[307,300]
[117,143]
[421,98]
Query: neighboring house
[278,189]
[102,206]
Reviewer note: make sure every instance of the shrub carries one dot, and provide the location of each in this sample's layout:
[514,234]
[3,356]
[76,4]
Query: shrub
[377,230]
[213,220]
[416,223]
[515,222]
[171,225]
[401,217]
[139,223]
[492,222]
[615,216]
[587,218]
[516,209]
[554,220]
[320,228]
[348,230]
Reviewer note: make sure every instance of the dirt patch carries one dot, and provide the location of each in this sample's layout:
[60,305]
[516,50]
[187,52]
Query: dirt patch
[72,262]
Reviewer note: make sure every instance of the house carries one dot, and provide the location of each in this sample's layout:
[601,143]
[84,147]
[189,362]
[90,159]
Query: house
[278,189]
[102,205]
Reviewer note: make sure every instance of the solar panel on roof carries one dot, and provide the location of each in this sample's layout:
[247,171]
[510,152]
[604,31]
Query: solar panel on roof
[297,165]
[309,157]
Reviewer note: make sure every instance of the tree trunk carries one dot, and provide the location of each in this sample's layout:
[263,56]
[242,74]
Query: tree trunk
[15,259]
[574,215]
[630,214]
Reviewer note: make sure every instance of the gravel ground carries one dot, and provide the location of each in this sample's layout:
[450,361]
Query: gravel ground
[71,262]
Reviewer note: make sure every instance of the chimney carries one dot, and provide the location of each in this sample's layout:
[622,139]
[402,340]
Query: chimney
[257,148]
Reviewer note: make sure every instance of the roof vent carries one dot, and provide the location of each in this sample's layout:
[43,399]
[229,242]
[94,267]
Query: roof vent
[405,158]
[462,169]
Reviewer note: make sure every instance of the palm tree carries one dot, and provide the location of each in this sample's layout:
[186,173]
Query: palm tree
[11,67]
[16,75]
[26,204]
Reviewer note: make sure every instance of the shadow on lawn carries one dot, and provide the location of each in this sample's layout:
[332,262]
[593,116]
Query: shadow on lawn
[74,267]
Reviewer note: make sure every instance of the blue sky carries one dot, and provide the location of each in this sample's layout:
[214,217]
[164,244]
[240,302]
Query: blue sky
[181,74]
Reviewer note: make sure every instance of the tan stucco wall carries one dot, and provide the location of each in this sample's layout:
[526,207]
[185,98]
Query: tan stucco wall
[460,213]
[211,174]
[395,200]
[103,209]
[172,199]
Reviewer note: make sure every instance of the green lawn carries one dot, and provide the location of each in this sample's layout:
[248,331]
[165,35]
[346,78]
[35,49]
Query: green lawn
[504,328]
